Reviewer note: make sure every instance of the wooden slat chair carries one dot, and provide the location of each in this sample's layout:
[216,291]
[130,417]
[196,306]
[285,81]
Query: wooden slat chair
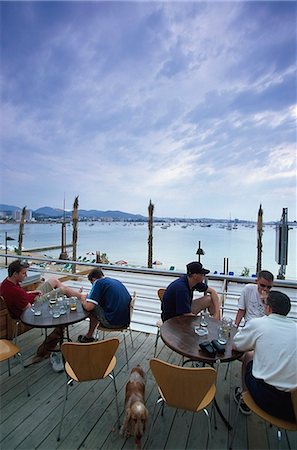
[279,423]
[89,362]
[7,351]
[13,326]
[159,323]
[187,388]
[16,326]
[120,329]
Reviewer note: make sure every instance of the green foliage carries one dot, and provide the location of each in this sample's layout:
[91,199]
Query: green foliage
[245,272]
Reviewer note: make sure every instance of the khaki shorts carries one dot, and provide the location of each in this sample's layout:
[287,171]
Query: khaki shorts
[46,289]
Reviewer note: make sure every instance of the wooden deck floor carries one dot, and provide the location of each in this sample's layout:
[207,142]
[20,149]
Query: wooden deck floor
[90,421]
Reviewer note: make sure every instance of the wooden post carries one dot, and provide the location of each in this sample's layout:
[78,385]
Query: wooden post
[21,230]
[74,232]
[150,236]
[259,239]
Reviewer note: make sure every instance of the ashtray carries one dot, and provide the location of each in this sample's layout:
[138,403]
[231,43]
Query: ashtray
[201,331]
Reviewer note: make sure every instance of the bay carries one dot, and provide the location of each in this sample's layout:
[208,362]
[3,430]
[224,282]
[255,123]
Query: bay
[173,246]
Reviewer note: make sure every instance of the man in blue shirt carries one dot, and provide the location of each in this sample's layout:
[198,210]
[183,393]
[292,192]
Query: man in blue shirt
[108,302]
[178,297]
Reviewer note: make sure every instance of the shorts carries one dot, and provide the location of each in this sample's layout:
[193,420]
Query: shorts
[98,312]
[270,399]
[46,289]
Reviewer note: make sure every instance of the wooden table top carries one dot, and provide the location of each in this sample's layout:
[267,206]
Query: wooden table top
[46,320]
[178,333]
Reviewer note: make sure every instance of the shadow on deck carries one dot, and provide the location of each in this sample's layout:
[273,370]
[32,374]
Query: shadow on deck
[90,419]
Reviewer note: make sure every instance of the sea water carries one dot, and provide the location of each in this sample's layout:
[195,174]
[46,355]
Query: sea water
[174,246]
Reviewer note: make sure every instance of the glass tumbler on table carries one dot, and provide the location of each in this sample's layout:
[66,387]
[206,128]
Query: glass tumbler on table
[56,311]
[73,304]
[222,338]
[204,319]
[37,306]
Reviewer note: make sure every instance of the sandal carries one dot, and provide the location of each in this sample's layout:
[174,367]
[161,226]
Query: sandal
[85,339]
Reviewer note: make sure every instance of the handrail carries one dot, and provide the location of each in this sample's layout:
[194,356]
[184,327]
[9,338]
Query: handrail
[113,267]
[146,282]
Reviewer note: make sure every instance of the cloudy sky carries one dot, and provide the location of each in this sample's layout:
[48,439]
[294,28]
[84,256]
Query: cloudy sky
[189,104]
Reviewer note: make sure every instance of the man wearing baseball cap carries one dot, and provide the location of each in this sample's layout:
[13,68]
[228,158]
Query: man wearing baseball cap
[178,297]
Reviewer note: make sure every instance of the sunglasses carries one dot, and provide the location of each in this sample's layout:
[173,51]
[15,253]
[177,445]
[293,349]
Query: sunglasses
[265,286]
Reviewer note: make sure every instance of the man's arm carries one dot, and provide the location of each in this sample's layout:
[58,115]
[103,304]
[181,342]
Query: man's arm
[240,314]
[215,307]
[88,306]
[245,339]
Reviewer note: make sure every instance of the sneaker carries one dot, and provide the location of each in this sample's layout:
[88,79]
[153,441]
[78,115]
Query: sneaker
[243,408]
[85,339]
[57,362]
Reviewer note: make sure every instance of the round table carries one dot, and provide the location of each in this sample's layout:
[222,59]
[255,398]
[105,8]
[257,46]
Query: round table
[46,320]
[178,333]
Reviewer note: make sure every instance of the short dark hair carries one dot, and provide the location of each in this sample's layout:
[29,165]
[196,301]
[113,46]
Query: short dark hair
[279,302]
[268,276]
[17,266]
[95,273]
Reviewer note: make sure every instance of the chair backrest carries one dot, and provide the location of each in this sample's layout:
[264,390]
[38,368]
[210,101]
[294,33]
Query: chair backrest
[160,293]
[90,361]
[132,304]
[183,387]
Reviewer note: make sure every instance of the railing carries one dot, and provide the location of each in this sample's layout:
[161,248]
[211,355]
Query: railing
[146,283]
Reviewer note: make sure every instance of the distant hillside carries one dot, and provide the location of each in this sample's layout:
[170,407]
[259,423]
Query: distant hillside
[8,208]
[48,212]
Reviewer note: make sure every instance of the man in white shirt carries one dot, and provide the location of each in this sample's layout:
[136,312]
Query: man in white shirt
[269,369]
[251,302]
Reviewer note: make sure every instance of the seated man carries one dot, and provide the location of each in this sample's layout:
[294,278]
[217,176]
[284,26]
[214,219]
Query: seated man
[269,366]
[178,297]
[17,299]
[251,302]
[108,302]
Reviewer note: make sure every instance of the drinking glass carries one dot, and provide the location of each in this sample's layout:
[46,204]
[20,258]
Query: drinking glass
[73,304]
[204,319]
[56,311]
[62,306]
[227,324]
[37,308]
[222,335]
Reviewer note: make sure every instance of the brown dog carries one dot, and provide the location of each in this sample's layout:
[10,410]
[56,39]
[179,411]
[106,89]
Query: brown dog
[136,413]
[50,343]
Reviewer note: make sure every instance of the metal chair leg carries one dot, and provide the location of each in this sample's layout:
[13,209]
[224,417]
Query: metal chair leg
[235,425]
[127,362]
[208,422]
[116,398]
[16,332]
[23,369]
[132,343]
[156,342]
[228,366]
[63,408]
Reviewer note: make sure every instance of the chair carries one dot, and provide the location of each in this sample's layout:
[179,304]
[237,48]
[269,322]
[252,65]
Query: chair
[89,362]
[159,323]
[191,389]
[121,329]
[7,351]
[279,423]
[14,321]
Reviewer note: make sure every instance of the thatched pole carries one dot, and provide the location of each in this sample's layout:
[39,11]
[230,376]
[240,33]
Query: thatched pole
[21,230]
[259,239]
[74,232]
[150,236]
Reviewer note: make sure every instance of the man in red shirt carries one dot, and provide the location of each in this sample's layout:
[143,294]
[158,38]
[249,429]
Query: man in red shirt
[17,300]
